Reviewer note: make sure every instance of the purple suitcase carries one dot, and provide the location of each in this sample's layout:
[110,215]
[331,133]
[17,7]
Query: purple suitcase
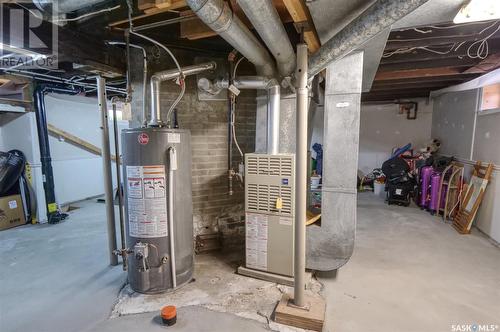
[434,199]
[425,180]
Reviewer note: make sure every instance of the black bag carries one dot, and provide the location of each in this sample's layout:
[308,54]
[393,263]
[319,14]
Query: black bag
[12,165]
[441,163]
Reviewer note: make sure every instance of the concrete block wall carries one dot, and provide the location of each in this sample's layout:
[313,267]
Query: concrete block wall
[213,209]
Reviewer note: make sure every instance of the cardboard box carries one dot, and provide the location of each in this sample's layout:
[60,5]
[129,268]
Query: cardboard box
[11,212]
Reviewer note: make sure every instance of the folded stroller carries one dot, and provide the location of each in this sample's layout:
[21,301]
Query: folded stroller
[400,183]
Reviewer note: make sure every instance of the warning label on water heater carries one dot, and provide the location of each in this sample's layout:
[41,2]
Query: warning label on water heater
[147,203]
[256,241]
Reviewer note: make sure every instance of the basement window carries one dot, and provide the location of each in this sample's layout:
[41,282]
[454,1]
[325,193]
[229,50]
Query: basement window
[490,99]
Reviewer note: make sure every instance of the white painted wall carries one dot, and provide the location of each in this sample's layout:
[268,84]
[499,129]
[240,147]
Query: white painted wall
[471,136]
[382,128]
[77,172]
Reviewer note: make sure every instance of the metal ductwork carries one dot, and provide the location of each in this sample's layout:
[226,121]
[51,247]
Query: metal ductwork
[166,75]
[220,18]
[273,101]
[267,22]
[372,21]
[64,6]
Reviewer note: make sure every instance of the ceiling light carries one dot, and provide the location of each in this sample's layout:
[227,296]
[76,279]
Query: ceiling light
[478,10]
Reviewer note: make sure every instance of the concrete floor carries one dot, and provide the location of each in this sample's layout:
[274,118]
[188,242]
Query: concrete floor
[409,272]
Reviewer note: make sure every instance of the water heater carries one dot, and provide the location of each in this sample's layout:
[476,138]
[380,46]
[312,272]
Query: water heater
[158,206]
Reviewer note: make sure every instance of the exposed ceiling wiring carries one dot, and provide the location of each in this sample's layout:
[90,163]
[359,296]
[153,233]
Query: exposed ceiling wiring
[479,49]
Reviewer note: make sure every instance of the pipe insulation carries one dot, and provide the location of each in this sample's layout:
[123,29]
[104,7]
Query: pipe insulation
[166,75]
[372,21]
[217,15]
[273,101]
[265,19]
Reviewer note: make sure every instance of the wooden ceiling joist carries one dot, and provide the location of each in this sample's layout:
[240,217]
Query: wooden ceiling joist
[300,14]
[160,6]
[417,73]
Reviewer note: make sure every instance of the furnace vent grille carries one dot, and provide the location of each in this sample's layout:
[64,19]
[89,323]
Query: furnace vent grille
[269,165]
[269,178]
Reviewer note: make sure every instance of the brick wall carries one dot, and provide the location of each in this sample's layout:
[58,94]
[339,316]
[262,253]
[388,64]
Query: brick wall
[213,209]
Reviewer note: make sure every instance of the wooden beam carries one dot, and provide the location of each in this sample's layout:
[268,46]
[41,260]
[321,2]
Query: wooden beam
[76,141]
[417,73]
[435,63]
[300,13]
[492,62]
[429,85]
[174,5]
[461,78]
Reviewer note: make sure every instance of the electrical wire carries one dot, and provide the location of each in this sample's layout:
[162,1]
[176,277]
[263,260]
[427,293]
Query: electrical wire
[86,15]
[236,66]
[482,45]
[233,121]
[233,113]
[425,48]
[180,79]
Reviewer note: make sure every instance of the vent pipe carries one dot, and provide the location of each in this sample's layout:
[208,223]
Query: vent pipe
[220,18]
[166,75]
[267,22]
[258,83]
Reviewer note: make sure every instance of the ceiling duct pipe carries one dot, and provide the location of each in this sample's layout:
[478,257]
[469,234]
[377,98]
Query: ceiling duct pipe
[166,75]
[265,19]
[220,18]
[65,6]
[372,21]
[258,83]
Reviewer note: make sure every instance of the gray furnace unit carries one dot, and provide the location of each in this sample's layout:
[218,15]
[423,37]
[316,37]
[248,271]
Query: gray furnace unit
[269,207]
[159,212]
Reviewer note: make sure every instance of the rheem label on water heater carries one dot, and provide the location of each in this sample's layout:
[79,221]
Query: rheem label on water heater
[147,202]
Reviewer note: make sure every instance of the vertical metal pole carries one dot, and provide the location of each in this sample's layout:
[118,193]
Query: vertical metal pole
[301,176]
[106,167]
[119,186]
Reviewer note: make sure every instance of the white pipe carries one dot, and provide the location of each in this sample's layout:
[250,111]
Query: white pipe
[301,176]
[172,157]
[106,166]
